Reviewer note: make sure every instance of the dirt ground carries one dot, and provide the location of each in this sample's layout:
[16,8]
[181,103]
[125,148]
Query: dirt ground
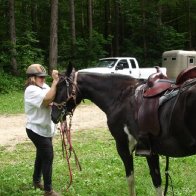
[12,127]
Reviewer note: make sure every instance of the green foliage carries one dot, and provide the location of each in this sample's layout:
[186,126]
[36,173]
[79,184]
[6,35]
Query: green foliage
[29,50]
[9,83]
[91,49]
[4,55]
[172,40]
[102,169]
[163,24]
[87,51]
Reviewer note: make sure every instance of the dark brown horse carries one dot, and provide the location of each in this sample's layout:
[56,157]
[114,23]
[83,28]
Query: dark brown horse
[115,95]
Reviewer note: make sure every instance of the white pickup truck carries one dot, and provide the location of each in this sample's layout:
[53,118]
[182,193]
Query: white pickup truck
[123,65]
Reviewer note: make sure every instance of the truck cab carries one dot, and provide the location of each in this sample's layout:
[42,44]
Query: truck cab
[122,65]
[117,65]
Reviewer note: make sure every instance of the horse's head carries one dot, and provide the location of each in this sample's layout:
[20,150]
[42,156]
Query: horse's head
[65,99]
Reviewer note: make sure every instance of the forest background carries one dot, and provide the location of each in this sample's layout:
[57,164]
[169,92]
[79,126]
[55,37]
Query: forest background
[56,32]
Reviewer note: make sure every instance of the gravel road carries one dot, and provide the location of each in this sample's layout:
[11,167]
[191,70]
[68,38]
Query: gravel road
[12,127]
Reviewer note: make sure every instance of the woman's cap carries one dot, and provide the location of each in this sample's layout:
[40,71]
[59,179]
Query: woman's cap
[36,70]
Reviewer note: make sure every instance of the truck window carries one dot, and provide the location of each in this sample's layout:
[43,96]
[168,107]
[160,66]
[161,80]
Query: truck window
[106,63]
[124,63]
[132,63]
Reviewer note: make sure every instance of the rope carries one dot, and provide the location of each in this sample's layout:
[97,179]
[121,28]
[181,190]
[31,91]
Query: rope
[67,148]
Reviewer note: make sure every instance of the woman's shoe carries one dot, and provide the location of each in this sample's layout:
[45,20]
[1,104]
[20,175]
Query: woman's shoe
[38,185]
[51,193]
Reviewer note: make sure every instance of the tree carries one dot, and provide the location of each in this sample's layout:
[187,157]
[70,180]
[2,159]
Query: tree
[73,28]
[34,15]
[13,37]
[117,28]
[90,19]
[143,6]
[53,54]
[108,24]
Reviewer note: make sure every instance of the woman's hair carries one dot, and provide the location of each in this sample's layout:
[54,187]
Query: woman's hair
[30,81]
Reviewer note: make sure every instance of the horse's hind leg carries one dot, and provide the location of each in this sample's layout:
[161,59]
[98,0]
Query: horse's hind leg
[127,158]
[153,163]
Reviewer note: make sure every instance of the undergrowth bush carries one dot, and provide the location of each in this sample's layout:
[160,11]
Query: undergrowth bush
[10,83]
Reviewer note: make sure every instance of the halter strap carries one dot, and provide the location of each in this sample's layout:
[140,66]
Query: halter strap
[71,95]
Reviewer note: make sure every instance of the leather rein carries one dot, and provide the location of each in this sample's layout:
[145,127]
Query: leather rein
[65,127]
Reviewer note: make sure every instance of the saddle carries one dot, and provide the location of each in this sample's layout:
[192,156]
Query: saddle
[150,93]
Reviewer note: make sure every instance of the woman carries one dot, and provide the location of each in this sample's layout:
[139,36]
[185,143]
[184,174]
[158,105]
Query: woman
[37,97]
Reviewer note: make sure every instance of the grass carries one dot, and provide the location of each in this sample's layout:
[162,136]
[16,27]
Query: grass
[13,103]
[102,170]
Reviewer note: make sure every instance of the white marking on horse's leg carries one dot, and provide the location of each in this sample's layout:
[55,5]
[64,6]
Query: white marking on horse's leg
[131,184]
[131,179]
[132,140]
[159,191]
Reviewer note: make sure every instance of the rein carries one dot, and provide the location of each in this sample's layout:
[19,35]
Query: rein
[65,127]
[67,148]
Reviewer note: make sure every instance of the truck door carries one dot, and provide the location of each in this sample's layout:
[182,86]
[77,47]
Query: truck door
[191,61]
[122,67]
[134,71]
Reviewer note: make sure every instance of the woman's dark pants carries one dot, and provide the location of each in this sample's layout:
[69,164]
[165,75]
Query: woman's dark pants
[43,160]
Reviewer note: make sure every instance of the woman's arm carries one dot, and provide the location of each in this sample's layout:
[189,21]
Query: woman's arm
[52,92]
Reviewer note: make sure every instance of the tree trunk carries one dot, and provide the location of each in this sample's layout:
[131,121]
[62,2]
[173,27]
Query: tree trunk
[53,36]
[144,30]
[34,15]
[90,19]
[82,19]
[13,38]
[73,29]
[160,10]
[107,25]
[189,24]
[116,37]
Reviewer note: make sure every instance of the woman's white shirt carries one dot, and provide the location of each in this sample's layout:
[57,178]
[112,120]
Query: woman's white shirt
[38,115]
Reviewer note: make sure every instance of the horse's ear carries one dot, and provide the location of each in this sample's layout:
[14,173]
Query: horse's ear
[70,68]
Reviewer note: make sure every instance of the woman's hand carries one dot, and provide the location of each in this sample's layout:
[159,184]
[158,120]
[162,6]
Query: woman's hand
[51,93]
[55,75]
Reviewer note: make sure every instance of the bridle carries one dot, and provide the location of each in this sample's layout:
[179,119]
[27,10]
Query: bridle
[70,96]
[65,128]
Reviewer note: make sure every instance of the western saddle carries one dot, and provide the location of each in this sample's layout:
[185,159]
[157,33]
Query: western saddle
[148,98]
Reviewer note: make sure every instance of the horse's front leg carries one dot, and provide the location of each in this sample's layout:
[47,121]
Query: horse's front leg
[127,158]
[125,148]
[153,163]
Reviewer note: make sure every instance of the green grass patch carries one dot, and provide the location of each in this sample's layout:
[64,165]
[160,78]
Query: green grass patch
[12,103]
[102,170]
